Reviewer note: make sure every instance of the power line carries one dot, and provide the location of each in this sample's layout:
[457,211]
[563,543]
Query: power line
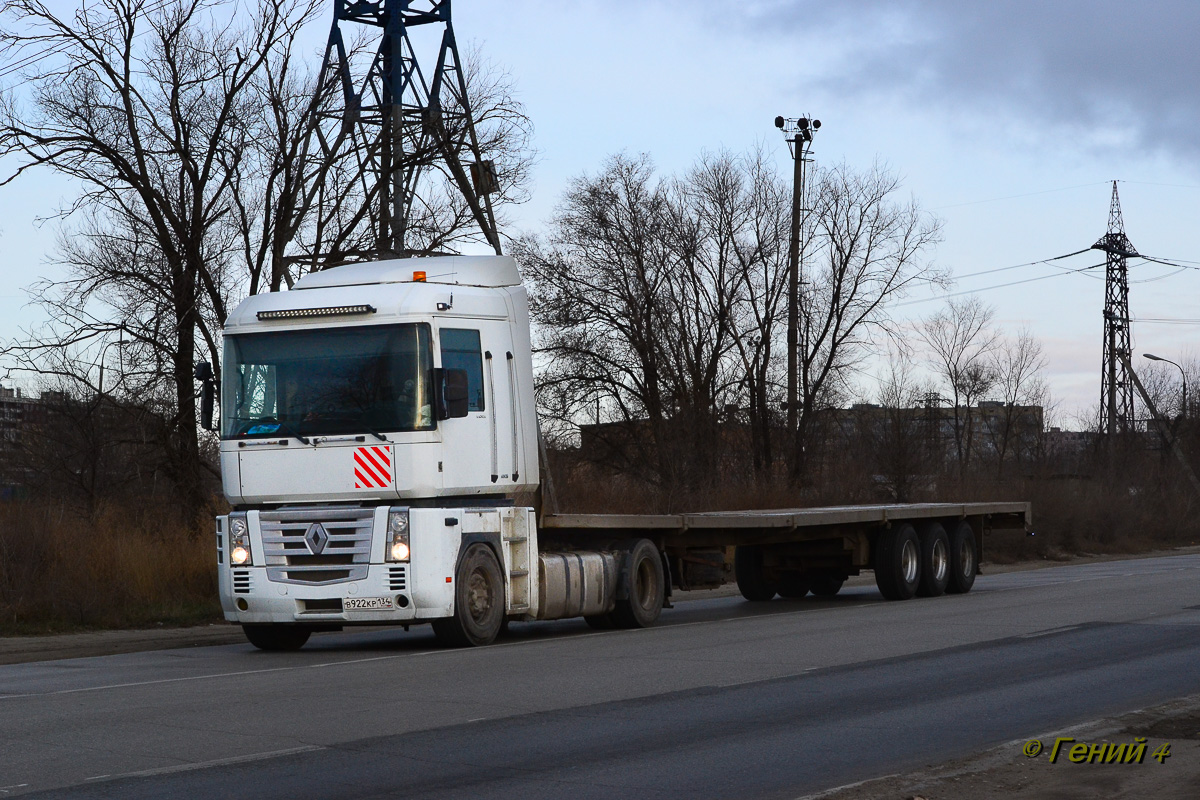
[1001,285]
[1018,266]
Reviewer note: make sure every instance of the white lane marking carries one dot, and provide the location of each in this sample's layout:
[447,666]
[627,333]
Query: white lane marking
[1047,633]
[7,789]
[218,762]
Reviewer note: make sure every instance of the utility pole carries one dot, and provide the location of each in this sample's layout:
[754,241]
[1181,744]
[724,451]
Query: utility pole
[1116,390]
[798,133]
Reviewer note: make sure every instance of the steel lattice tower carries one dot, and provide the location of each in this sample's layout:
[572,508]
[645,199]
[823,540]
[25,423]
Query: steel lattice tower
[400,125]
[1116,388]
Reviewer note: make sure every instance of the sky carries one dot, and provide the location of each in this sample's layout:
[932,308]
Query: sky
[1009,120]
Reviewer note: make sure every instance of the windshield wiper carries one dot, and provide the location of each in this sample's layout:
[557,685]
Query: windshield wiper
[290,431]
[375,433]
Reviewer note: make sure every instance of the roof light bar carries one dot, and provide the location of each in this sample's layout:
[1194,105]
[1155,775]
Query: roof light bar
[324,311]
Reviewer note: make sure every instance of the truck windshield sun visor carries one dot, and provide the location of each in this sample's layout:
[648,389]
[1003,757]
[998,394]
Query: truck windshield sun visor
[327,382]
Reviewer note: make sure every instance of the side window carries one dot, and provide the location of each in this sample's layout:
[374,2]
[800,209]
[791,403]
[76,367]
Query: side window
[461,350]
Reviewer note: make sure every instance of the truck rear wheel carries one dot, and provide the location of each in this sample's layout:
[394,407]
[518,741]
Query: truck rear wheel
[898,562]
[748,569]
[964,560]
[276,637]
[824,584]
[647,588]
[478,601]
[794,586]
[935,560]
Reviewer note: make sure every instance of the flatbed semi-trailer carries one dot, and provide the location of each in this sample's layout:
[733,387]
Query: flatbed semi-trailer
[378,431]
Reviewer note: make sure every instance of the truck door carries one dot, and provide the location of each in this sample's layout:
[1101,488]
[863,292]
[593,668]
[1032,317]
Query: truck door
[478,449]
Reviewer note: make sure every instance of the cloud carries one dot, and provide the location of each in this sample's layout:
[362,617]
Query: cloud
[1119,72]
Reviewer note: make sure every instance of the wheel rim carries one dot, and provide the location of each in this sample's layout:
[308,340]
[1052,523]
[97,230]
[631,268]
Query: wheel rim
[909,561]
[479,596]
[966,558]
[940,561]
[645,583]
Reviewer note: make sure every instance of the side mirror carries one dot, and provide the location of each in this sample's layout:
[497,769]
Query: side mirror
[208,384]
[452,385]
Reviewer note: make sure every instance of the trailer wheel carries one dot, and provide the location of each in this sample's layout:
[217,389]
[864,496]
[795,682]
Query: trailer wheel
[478,601]
[935,560]
[825,584]
[647,588]
[748,569]
[964,560]
[898,562]
[276,637]
[794,586]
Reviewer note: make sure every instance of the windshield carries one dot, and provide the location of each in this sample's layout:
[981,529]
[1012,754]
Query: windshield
[328,381]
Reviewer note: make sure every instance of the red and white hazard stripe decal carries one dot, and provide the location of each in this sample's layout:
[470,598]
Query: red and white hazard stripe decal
[372,467]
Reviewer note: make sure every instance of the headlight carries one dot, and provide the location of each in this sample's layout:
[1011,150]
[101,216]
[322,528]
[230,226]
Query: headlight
[397,535]
[239,541]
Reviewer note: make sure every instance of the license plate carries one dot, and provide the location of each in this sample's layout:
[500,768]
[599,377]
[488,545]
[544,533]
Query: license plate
[367,604]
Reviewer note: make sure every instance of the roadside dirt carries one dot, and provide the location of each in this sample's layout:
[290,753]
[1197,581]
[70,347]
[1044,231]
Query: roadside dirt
[23,649]
[1006,772]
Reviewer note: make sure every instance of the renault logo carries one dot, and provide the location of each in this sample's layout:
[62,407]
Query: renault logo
[316,538]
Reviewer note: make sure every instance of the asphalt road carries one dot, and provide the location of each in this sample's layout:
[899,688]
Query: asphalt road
[723,699]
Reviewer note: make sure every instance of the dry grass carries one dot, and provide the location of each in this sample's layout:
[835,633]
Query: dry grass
[124,567]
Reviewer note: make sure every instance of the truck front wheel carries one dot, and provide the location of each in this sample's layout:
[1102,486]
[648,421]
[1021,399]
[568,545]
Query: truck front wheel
[898,562]
[748,569]
[478,601]
[276,637]
[647,588]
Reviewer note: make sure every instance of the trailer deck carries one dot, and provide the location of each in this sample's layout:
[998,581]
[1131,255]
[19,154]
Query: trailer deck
[998,515]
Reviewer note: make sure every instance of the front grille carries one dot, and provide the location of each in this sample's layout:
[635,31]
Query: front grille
[397,579]
[241,581]
[344,551]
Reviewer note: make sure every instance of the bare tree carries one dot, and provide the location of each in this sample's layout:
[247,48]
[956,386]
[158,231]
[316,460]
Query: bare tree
[654,297]
[143,105]
[960,341]
[1018,365]
[867,249]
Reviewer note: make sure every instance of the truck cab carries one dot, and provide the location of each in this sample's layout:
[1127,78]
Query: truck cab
[374,419]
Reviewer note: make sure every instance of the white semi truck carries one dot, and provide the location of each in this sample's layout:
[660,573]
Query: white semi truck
[379,446]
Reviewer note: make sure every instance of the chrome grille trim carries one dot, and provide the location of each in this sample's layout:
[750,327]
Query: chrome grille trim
[288,557]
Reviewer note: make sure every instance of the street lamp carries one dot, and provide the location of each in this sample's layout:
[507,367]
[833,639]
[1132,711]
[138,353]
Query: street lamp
[1183,374]
[798,133]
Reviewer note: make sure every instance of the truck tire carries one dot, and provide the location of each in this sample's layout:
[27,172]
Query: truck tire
[935,560]
[276,637]
[964,560]
[478,601]
[898,562]
[748,570]
[647,588]
[825,584]
[794,586]
[600,622]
